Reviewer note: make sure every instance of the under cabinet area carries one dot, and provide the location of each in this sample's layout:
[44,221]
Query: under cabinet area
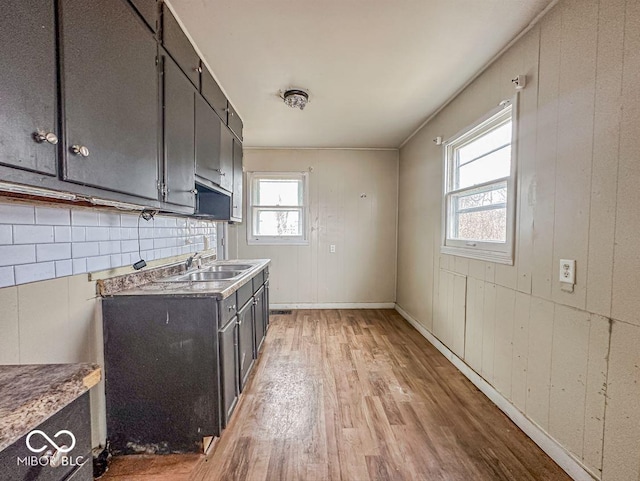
[176,363]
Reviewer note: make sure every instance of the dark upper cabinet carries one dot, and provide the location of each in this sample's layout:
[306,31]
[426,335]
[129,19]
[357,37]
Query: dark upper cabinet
[207,142]
[236,197]
[234,121]
[148,10]
[213,93]
[179,135]
[226,158]
[110,97]
[28,117]
[177,44]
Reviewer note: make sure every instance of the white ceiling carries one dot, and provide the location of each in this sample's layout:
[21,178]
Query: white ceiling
[374,69]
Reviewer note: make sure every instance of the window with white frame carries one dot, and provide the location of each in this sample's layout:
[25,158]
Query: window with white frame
[479,193]
[278,208]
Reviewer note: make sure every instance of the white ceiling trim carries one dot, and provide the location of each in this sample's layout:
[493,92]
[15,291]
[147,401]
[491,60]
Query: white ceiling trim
[482,70]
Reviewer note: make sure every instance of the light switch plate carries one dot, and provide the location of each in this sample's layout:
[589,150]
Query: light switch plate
[332,248]
[568,271]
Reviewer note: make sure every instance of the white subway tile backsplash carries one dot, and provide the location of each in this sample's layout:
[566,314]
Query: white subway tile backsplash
[109,247]
[62,233]
[20,254]
[84,217]
[32,234]
[64,268]
[79,265]
[98,263]
[97,233]
[6,234]
[6,276]
[78,234]
[85,249]
[52,216]
[34,272]
[42,242]
[108,219]
[17,214]
[52,252]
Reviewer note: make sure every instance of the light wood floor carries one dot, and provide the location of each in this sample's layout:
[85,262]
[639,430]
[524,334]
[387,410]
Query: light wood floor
[357,395]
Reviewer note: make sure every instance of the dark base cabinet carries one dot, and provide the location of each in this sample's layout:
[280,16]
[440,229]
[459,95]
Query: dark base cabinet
[176,364]
[17,462]
[161,373]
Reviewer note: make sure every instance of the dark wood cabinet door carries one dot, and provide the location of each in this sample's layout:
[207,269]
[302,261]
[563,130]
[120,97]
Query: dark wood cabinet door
[236,200]
[226,158]
[245,343]
[207,142]
[179,130]
[212,92]
[228,369]
[179,47]
[234,121]
[258,320]
[266,305]
[148,10]
[28,85]
[110,96]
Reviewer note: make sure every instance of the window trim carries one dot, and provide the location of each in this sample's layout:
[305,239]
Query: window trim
[300,240]
[502,253]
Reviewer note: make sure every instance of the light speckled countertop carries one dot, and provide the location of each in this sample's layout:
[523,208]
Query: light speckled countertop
[217,289]
[32,393]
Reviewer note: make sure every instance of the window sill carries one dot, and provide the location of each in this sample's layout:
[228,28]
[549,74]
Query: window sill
[481,255]
[273,242]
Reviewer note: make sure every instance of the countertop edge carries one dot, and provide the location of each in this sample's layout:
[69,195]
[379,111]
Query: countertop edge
[46,402]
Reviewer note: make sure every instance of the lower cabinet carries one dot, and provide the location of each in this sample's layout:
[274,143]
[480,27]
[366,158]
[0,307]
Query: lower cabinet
[245,342]
[18,462]
[259,320]
[229,369]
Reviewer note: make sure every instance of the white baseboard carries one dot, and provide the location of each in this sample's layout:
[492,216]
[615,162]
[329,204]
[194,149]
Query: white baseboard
[553,448]
[336,305]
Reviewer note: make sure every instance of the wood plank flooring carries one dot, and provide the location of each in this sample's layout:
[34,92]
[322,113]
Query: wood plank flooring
[357,395]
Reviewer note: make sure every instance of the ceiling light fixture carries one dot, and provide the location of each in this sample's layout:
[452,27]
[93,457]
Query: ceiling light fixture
[295,98]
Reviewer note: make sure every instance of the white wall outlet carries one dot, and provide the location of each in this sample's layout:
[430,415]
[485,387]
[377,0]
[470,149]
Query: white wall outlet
[332,248]
[568,271]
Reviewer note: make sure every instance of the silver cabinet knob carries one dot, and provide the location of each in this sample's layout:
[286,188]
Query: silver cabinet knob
[49,137]
[80,150]
[219,171]
[194,191]
[198,69]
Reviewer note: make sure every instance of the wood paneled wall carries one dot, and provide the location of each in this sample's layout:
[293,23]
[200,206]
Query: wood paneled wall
[569,361]
[363,228]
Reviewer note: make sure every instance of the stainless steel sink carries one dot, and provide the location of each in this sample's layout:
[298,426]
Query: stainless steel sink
[209,276]
[228,267]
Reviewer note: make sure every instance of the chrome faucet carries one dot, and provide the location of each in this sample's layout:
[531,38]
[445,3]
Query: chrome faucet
[194,257]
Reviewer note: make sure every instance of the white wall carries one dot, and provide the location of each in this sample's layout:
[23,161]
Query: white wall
[58,319]
[363,268]
[569,361]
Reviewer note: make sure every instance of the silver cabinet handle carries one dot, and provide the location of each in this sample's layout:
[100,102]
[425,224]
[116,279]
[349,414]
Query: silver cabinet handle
[80,150]
[198,69]
[219,171]
[49,137]
[194,191]
[231,308]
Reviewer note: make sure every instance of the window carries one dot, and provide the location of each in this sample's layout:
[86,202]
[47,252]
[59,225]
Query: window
[479,193]
[278,208]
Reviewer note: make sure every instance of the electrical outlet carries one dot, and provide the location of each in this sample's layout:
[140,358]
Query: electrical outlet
[568,271]
[332,248]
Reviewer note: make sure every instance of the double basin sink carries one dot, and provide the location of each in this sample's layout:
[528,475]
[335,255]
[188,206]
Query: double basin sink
[222,272]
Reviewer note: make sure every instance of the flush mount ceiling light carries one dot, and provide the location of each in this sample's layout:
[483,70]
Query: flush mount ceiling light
[295,98]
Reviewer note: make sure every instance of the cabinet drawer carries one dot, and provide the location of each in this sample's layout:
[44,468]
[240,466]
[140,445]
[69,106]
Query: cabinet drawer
[75,418]
[228,309]
[245,293]
[179,47]
[258,280]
